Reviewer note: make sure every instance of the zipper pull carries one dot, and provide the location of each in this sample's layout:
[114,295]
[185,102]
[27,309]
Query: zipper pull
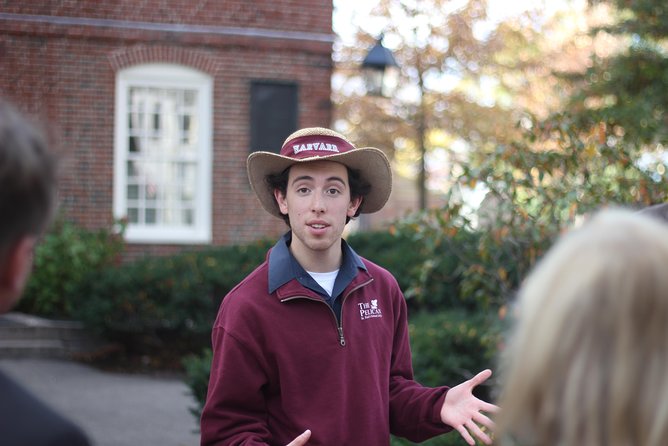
[342,340]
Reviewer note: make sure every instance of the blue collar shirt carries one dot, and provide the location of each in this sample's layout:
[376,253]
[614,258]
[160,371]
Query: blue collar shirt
[283,267]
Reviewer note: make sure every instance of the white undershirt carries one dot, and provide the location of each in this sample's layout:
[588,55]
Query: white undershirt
[325,280]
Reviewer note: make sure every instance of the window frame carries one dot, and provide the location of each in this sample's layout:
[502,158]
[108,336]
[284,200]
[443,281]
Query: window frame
[166,76]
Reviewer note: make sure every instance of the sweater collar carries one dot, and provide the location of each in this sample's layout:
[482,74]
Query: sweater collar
[283,267]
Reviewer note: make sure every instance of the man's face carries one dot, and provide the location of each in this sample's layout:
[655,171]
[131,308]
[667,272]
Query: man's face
[318,202]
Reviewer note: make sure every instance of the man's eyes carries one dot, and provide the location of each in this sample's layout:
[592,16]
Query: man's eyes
[330,191]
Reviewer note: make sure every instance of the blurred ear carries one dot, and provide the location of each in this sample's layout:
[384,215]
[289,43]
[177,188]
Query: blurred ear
[282,203]
[353,205]
[15,272]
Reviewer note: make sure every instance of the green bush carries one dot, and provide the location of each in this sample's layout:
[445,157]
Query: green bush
[450,347]
[197,368]
[429,275]
[164,301]
[395,252]
[64,261]
[473,267]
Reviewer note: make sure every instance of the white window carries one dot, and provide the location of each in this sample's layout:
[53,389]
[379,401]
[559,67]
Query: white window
[162,170]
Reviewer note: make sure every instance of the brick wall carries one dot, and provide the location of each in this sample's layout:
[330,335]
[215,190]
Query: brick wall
[58,61]
[291,15]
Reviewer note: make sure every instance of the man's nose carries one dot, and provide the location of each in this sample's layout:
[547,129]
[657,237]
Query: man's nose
[318,204]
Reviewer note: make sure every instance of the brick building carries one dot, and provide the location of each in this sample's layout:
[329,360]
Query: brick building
[154,106]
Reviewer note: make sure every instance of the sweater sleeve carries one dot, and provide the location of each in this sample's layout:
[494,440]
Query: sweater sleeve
[414,409]
[234,412]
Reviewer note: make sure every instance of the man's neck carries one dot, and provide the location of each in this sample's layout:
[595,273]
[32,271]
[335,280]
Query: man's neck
[318,261]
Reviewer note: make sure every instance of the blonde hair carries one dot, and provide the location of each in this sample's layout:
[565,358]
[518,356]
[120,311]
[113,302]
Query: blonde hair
[587,363]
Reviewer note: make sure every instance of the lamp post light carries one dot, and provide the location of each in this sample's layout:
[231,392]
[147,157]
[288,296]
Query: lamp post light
[381,73]
[380,70]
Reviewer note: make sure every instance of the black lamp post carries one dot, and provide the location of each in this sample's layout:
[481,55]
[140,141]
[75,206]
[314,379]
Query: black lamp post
[380,70]
[381,73]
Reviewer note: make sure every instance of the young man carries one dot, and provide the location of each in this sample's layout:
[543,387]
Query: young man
[27,197]
[312,347]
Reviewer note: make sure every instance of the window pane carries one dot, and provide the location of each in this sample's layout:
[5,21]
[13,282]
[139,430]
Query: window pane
[188,217]
[185,129]
[189,98]
[133,191]
[151,216]
[186,181]
[187,193]
[133,144]
[133,215]
[151,191]
[132,170]
[156,117]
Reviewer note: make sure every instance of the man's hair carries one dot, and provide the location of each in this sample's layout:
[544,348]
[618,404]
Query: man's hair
[359,187]
[587,362]
[27,179]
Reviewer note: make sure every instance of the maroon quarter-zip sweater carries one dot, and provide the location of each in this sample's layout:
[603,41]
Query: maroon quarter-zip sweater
[283,364]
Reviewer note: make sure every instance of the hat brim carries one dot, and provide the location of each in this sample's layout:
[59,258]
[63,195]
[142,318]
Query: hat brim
[370,162]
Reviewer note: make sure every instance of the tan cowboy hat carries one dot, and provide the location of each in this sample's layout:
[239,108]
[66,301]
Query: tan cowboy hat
[317,144]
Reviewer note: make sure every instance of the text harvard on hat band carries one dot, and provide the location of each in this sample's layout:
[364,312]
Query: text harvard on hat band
[318,146]
[315,143]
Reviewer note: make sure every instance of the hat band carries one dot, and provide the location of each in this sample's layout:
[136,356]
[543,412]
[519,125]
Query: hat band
[315,146]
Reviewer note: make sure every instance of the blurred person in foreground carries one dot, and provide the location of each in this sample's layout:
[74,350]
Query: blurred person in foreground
[312,347]
[587,363]
[27,201]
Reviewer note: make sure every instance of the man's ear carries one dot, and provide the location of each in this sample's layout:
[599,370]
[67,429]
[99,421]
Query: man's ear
[282,203]
[354,204]
[16,269]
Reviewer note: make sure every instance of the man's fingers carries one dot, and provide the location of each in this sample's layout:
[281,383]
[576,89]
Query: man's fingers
[301,439]
[487,407]
[479,433]
[481,377]
[484,420]
[472,429]
[465,435]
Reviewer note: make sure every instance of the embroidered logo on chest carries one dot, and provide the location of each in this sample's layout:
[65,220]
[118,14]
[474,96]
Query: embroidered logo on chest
[369,310]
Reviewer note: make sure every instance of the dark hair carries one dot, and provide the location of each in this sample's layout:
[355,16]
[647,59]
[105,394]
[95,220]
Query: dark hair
[359,187]
[27,179]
